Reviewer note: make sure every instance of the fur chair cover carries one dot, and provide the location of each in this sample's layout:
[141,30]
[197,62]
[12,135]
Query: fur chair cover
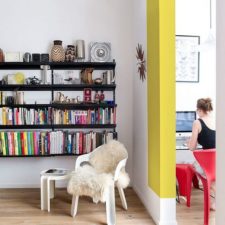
[92,179]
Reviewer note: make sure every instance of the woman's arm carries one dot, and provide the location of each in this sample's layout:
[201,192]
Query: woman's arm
[192,143]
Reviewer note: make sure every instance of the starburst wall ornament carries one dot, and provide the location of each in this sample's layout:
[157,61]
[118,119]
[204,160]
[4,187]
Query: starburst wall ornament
[141,62]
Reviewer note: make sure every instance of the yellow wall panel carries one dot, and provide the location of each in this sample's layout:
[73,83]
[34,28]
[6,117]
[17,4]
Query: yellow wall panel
[161,96]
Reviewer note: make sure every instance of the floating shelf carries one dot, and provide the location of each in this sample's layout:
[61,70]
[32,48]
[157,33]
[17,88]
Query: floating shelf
[25,156]
[54,87]
[57,65]
[59,126]
[61,105]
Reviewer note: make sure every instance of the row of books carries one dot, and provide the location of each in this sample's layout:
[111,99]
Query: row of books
[95,116]
[24,116]
[27,116]
[51,143]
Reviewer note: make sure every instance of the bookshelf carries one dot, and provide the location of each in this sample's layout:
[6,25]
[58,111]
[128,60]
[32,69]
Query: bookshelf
[23,132]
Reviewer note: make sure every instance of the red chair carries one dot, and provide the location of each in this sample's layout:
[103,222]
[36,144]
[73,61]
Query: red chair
[185,174]
[206,159]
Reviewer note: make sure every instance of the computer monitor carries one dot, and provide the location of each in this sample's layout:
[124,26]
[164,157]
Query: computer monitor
[184,120]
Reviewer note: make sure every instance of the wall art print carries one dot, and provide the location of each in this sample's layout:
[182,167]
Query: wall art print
[187,58]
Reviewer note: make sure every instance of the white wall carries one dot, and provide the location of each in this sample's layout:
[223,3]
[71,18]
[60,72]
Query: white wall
[220,141]
[31,26]
[140,153]
[193,18]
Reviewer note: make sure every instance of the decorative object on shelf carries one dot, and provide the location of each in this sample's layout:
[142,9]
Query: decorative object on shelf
[97,97]
[17,78]
[141,62]
[2,82]
[70,53]
[107,77]
[71,77]
[58,79]
[187,58]
[36,57]
[44,73]
[80,50]
[86,75]
[45,57]
[98,81]
[19,98]
[27,57]
[87,95]
[102,96]
[1,55]
[9,100]
[61,98]
[57,52]
[13,57]
[100,51]
[33,81]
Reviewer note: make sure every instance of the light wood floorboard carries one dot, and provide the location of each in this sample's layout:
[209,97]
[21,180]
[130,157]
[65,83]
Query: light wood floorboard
[22,206]
[195,214]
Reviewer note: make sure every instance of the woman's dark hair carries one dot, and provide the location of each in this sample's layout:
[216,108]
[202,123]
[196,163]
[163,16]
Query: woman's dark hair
[205,104]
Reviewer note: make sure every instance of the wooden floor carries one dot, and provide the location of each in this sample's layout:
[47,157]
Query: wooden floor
[193,215]
[22,207]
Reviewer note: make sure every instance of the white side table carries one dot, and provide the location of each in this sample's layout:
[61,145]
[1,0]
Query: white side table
[48,185]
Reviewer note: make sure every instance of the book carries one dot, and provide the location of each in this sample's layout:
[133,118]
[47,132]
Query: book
[58,172]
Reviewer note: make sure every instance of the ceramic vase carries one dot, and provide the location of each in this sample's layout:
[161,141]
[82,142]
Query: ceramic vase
[70,53]
[57,52]
[1,55]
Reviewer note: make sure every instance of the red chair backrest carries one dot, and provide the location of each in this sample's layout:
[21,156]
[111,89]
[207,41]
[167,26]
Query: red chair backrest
[207,159]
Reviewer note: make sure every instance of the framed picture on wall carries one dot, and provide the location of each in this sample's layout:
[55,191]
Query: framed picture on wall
[187,58]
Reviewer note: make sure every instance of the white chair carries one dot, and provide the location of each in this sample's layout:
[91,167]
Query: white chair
[48,186]
[105,169]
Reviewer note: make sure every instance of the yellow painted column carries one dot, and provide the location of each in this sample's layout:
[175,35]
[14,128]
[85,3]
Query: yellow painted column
[161,96]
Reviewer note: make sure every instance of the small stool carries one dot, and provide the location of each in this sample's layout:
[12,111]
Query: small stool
[48,186]
[185,174]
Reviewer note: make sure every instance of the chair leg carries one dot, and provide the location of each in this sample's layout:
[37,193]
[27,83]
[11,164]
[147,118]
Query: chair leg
[43,193]
[206,187]
[74,205]
[122,197]
[110,205]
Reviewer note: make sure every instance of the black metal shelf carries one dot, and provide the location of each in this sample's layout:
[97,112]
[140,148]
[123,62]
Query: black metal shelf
[80,87]
[24,87]
[33,106]
[62,105]
[82,106]
[58,87]
[82,65]
[12,127]
[83,126]
[57,65]
[34,156]
[59,126]
[54,87]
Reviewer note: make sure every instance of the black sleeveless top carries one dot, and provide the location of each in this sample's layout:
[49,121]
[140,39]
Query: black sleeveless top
[207,137]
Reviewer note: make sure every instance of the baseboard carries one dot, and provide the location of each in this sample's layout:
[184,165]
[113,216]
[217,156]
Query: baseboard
[162,210]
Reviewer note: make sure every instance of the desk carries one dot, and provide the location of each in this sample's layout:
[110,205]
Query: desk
[185,174]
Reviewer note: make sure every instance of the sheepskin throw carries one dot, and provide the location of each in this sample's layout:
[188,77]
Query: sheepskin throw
[92,179]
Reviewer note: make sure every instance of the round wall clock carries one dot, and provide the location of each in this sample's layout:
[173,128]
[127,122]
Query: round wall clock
[100,52]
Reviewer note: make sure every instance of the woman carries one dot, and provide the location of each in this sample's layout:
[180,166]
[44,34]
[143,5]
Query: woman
[203,132]
[203,129]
